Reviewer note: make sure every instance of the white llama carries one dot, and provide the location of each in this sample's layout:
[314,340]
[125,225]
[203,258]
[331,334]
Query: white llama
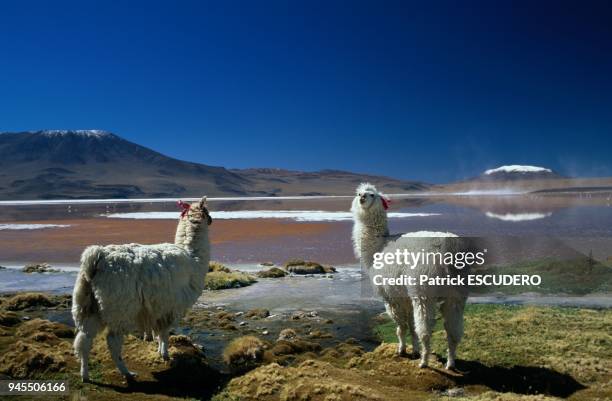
[134,287]
[411,307]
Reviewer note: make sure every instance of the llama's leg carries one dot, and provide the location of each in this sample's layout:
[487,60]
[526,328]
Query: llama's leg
[164,335]
[83,342]
[413,335]
[149,335]
[115,343]
[393,311]
[82,346]
[452,311]
[401,337]
[424,319]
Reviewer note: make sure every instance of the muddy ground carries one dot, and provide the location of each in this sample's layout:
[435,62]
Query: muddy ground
[508,353]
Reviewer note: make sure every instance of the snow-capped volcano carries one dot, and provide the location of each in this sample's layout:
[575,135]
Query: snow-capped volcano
[516,168]
[518,172]
[78,132]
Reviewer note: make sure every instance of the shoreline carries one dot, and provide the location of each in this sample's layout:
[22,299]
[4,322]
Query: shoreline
[345,289]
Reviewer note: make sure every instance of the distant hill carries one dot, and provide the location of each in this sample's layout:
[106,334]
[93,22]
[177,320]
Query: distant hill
[324,181]
[524,178]
[58,164]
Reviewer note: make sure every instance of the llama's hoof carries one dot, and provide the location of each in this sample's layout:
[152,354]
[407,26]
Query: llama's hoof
[166,357]
[401,353]
[413,355]
[85,379]
[450,366]
[130,377]
[423,364]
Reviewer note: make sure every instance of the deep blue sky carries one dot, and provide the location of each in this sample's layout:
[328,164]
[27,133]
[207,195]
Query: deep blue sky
[431,92]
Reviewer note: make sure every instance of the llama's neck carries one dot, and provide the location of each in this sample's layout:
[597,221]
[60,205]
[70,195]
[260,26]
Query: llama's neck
[370,234]
[194,238]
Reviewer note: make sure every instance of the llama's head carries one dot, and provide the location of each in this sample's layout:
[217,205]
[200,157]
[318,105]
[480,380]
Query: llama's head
[369,201]
[196,212]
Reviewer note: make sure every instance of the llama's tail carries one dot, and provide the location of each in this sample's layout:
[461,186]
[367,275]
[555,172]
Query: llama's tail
[83,301]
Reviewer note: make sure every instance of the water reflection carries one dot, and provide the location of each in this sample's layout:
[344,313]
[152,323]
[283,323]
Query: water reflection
[516,217]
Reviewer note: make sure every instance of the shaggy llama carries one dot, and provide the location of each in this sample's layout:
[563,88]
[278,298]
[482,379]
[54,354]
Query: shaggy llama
[134,287]
[412,308]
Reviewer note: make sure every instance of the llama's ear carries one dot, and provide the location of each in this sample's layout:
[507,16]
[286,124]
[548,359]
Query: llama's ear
[203,202]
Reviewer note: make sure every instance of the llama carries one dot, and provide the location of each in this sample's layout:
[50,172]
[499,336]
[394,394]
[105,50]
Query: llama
[134,287]
[411,307]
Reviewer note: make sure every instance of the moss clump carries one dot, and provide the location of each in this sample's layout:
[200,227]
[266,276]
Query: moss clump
[258,313]
[319,334]
[28,300]
[221,277]
[287,334]
[383,379]
[37,349]
[298,266]
[294,346]
[329,269]
[38,330]
[267,264]
[273,272]
[244,352]
[343,352]
[9,319]
[217,267]
[39,268]
[26,359]
[220,280]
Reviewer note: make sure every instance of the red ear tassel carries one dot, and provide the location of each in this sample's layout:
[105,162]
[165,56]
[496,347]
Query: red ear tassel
[184,207]
[386,202]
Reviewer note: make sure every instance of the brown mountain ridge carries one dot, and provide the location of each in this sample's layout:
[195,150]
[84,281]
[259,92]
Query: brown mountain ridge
[80,164]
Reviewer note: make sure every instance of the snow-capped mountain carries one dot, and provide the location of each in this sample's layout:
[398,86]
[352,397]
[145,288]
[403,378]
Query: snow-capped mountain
[517,172]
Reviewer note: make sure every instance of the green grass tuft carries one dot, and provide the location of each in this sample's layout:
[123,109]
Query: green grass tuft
[220,280]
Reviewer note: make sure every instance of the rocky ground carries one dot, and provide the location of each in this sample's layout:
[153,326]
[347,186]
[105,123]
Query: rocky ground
[509,353]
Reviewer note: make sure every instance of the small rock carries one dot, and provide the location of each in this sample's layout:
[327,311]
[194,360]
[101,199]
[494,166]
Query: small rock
[454,392]
[242,324]
[298,315]
[265,332]
[314,313]
[219,308]
[238,314]
[26,318]
[267,264]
